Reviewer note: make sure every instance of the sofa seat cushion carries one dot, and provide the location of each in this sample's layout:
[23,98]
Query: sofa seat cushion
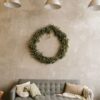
[53,97]
[20,98]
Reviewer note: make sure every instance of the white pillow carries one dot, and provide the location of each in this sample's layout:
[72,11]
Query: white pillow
[20,89]
[34,90]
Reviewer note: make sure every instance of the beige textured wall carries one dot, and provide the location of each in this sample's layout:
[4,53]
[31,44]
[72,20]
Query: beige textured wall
[82,26]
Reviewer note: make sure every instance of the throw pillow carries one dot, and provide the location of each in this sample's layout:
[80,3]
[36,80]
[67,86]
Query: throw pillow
[73,88]
[33,89]
[21,91]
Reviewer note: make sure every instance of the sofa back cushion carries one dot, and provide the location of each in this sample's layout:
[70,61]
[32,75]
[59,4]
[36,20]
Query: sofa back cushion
[49,87]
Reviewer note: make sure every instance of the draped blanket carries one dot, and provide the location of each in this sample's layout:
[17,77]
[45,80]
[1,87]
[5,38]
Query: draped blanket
[87,94]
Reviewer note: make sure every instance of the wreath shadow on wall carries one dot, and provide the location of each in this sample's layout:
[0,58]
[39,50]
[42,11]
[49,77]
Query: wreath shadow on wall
[62,38]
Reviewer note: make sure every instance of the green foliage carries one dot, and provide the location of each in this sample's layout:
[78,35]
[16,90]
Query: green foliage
[61,36]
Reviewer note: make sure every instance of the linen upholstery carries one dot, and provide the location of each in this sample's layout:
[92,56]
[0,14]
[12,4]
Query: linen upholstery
[53,97]
[28,98]
[49,87]
[46,87]
[47,97]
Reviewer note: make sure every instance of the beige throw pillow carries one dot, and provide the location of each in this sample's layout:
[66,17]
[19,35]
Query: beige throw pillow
[21,91]
[33,89]
[73,88]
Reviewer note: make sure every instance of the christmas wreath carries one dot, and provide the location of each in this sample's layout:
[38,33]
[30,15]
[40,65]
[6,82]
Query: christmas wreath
[61,36]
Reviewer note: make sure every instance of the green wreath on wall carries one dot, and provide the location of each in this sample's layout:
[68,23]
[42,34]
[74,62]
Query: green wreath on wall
[61,36]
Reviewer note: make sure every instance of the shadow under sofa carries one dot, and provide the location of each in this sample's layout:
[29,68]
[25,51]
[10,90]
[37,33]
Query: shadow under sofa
[48,89]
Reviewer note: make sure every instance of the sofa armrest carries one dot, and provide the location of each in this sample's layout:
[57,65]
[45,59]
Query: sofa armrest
[88,93]
[90,96]
[13,93]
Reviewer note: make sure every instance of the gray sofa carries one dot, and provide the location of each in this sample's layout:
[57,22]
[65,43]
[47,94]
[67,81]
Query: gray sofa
[48,89]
